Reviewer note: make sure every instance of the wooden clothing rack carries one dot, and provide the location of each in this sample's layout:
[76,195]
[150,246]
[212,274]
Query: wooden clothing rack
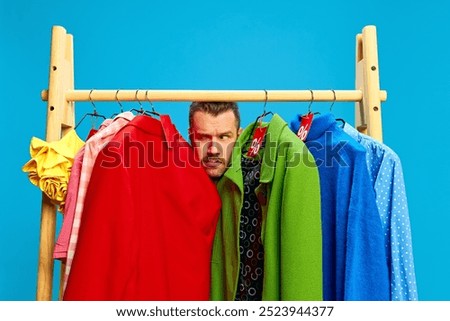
[61,97]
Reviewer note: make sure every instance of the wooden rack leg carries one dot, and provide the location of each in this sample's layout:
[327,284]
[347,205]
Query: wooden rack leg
[60,118]
[368,111]
[45,266]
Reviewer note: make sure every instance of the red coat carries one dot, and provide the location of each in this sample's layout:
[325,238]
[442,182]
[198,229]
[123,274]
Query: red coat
[149,220]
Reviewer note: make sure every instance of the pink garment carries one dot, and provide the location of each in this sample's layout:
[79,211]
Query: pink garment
[62,243]
[92,147]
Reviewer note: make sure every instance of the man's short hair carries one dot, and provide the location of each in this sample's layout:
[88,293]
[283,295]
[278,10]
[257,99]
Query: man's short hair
[214,108]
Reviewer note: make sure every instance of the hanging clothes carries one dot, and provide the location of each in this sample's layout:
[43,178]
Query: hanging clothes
[62,242]
[251,250]
[386,175]
[92,148]
[289,196]
[50,165]
[354,256]
[148,222]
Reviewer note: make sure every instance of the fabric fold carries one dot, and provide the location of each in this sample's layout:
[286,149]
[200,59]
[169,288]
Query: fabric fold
[50,165]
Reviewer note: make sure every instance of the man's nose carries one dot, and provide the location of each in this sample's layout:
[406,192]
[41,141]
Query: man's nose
[213,148]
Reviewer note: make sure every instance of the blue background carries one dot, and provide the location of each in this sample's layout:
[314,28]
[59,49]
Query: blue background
[232,45]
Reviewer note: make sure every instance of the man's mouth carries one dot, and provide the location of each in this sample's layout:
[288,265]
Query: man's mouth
[212,162]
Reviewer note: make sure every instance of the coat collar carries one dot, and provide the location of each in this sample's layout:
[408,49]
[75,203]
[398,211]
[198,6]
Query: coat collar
[320,125]
[349,129]
[274,130]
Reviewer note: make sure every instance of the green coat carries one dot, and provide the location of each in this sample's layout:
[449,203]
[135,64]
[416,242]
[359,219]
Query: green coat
[291,227]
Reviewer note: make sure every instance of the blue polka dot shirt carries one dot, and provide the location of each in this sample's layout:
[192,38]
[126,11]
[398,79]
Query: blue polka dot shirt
[386,174]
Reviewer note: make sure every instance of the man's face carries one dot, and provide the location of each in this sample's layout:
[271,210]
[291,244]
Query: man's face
[213,138]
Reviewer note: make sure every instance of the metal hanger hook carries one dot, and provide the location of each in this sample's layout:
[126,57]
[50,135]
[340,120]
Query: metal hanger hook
[260,118]
[265,102]
[151,104]
[136,97]
[312,100]
[334,100]
[118,101]
[92,102]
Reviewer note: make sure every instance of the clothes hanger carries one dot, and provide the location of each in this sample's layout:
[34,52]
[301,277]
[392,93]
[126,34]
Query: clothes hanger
[342,121]
[306,120]
[141,110]
[258,122]
[260,118]
[94,114]
[265,113]
[120,104]
[311,102]
[309,115]
[153,111]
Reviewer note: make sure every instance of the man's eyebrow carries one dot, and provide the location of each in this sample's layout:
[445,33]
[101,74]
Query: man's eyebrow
[229,132]
[197,132]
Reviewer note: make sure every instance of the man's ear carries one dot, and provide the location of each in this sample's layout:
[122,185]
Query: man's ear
[239,131]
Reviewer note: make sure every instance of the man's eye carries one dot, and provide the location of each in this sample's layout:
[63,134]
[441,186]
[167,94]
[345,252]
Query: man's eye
[201,137]
[224,137]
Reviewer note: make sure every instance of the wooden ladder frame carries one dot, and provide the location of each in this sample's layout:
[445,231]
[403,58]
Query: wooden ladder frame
[61,96]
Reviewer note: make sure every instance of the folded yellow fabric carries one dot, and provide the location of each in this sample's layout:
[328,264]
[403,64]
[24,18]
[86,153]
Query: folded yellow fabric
[50,164]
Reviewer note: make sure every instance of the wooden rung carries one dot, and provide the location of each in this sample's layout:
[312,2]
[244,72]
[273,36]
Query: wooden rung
[215,95]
